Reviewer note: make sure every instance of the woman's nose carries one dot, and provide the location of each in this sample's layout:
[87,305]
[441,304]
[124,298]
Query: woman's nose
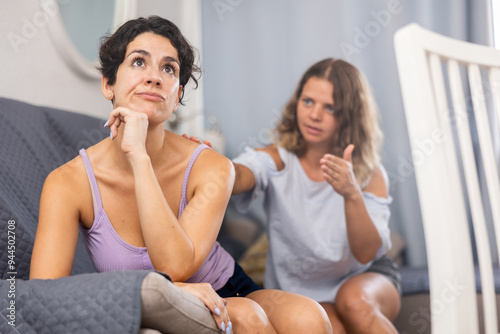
[315,113]
[154,80]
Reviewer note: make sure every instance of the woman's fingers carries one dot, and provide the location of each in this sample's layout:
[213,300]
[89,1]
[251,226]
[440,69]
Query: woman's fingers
[197,140]
[225,318]
[211,299]
[115,118]
[113,128]
[192,138]
[334,165]
[208,143]
[338,172]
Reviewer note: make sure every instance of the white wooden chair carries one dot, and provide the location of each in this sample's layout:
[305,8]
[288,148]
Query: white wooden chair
[439,78]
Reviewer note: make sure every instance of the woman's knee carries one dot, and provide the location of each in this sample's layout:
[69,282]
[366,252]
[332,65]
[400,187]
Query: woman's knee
[354,305]
[366,296]
[248,317]
[314,318]
[293,313]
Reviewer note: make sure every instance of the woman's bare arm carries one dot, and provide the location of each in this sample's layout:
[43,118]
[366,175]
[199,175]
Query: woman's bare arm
[57,231]
[175,246]
[179,247]
[364,238]
[245,180]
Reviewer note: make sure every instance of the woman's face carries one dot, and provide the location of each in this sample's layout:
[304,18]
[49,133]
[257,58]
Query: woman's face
[315,113]
[147,80]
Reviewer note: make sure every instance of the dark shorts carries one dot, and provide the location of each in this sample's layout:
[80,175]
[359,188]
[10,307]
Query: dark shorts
[238,285]
[387,267]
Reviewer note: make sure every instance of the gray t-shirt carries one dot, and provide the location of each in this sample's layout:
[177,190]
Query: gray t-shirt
[308,247]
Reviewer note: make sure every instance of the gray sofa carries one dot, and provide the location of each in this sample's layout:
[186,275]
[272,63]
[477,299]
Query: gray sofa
[34,141]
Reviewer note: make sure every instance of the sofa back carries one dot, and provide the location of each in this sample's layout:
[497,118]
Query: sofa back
[34,141]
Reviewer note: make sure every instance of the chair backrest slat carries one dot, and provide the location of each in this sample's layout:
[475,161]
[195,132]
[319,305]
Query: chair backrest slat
[494,80]
[486,141]
[448,181]
[473,188]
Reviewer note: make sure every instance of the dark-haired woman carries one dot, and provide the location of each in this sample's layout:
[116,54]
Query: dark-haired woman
[146,198]
[327,201]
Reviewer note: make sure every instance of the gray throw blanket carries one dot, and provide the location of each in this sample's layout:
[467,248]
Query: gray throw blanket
[34,141]
[88,303]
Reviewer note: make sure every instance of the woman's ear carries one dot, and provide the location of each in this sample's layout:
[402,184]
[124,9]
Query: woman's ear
[179,93]
[107,90]
[178,97]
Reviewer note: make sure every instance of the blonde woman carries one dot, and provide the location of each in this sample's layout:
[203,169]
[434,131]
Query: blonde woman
[327,201]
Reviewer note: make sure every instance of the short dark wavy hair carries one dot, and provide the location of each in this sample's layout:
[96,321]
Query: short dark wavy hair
[113,47]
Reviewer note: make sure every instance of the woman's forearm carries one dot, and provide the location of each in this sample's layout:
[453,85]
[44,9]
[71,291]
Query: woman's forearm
[169,247]
[363,236]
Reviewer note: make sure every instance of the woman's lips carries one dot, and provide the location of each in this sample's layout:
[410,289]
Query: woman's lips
[312,130]
[151,96]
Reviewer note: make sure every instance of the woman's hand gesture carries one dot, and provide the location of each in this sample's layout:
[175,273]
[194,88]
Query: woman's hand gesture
[338,172]
[135,129]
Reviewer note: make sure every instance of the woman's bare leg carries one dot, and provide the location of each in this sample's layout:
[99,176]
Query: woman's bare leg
[337,326]
[292,313]
[367,303]
[248,317]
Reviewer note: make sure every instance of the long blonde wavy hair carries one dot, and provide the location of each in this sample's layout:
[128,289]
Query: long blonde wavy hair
[355,113]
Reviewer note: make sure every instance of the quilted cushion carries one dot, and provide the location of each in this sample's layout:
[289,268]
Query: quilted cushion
[34,141]
[88,303]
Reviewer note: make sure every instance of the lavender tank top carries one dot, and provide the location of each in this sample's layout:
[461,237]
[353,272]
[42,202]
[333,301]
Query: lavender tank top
[109,251]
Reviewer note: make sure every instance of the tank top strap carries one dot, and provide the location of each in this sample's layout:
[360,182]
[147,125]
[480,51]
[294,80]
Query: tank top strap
[195,154]
[96,196]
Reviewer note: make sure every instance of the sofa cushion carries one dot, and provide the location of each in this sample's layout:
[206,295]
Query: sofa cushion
[89,303]
[34,141]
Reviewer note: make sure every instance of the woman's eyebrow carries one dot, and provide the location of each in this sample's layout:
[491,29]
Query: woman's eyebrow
[171,59]
[142,52]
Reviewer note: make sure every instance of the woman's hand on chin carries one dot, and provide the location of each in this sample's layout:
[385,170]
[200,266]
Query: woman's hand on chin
[135,130]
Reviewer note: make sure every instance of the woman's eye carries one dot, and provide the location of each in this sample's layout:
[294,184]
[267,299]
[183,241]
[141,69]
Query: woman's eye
[307,102]
[169,69]
[330,109]
[138,62]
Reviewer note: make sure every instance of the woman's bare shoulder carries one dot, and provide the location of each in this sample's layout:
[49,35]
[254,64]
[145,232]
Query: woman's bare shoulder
[208,158]
[272,150]
[377,184]
[68,182]
[67,172]
[212,160]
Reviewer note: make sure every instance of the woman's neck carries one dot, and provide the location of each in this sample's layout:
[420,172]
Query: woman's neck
[313,155]
[155,143]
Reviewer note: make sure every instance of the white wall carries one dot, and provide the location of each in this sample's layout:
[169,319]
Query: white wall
[31,68]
